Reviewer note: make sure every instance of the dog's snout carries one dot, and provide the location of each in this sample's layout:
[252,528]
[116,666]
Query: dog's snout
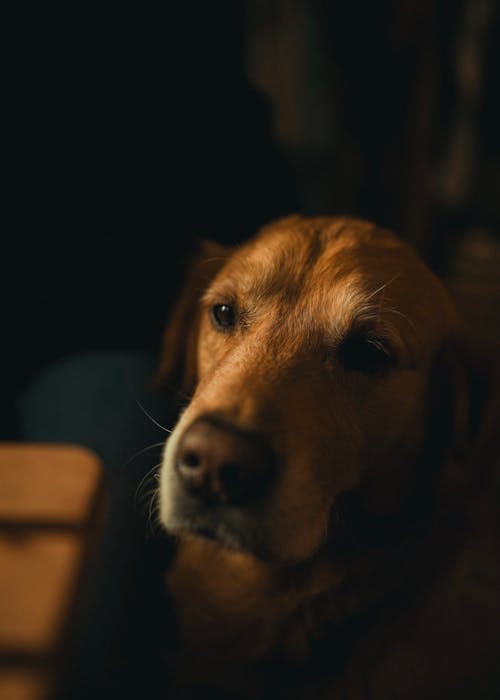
[220,464]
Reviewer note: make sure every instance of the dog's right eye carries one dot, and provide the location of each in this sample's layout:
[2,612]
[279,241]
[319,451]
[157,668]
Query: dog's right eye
[223,316]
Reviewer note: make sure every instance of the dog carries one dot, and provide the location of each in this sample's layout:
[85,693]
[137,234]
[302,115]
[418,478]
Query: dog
[331,479]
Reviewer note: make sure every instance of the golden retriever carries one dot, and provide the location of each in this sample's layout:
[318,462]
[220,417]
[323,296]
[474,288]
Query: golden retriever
[328,480]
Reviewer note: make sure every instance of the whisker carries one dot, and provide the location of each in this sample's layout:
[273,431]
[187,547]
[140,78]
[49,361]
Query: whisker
[148,488]
[153,514]
[399,313]
[184,395]
[139,498]
[140,452]
[216,259]
[380,305]
[148,474]
[145,506]
[380,289]
[151,417]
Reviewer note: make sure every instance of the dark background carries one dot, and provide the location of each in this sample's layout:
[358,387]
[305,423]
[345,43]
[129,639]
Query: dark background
[130,131]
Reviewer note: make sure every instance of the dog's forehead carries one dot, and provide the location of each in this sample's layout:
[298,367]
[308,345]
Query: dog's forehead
[342,271]
[296,253]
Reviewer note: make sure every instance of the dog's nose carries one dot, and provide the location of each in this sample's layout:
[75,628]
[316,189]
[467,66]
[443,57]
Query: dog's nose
[220,464]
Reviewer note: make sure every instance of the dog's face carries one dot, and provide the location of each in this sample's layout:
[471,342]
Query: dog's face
[313,346]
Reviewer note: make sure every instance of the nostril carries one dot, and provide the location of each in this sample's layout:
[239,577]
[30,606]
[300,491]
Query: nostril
[241,482]
[190,459]
[230,476]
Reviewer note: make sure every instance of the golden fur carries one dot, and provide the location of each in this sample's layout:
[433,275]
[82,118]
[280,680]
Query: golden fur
[371,569]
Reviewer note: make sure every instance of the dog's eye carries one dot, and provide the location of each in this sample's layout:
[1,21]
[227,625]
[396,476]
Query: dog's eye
[359,353]
[223,316]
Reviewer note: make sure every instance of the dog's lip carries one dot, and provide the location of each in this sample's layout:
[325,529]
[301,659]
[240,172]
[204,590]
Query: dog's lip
[206,532]
[220,532]
[217,529]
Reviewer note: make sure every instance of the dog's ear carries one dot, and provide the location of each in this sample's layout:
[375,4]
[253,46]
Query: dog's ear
[464,381]
[178,361]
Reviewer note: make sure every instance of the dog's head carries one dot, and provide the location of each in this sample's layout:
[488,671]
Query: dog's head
[310,350]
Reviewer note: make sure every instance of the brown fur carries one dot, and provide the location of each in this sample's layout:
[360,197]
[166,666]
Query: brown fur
[376,572]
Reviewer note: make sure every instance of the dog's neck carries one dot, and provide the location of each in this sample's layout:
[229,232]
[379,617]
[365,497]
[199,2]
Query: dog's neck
[236,610]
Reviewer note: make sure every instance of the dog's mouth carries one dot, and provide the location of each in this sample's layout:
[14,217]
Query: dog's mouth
[207,533]
[224,535]
[229,530]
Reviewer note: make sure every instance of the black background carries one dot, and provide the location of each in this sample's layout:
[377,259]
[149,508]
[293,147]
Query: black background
[129,132]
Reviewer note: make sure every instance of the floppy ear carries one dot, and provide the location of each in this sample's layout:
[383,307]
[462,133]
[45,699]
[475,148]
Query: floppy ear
[178,353]
[464,382]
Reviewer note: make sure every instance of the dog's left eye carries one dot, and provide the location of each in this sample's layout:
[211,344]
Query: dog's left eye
[223,316]
[359,353]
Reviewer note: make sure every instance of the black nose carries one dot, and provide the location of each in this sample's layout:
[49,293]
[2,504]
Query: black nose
[220,464]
